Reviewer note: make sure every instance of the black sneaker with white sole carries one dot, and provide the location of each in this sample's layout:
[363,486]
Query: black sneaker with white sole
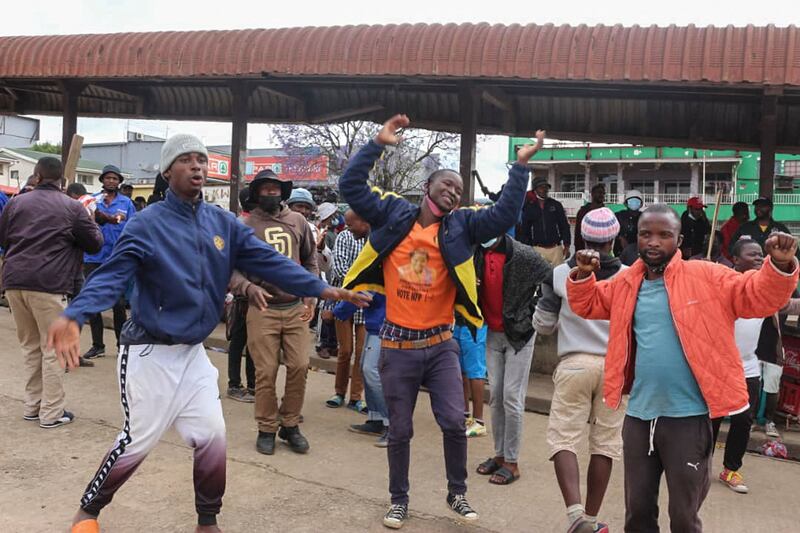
[396,516]
[31,418]
[63,420]
[459,504]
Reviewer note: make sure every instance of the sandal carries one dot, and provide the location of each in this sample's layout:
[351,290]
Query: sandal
[488,467]
[504,477]
[337,400]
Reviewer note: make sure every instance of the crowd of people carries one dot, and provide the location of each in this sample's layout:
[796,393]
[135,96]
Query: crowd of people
[654,349]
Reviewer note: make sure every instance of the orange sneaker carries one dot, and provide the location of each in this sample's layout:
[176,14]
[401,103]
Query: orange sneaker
[734,481]
[86,526]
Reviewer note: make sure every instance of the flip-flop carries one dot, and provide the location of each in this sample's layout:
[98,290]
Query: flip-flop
[488,467]
[335,401]
[505,474]
[86,526]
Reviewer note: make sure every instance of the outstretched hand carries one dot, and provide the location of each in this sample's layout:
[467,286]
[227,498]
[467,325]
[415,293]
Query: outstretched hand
[388,134]
[782,248]
[64,336]
[359,299]
[588,262]
[525,153]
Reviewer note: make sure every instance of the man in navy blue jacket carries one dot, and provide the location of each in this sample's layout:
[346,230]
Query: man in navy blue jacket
[181,253]
[421,258]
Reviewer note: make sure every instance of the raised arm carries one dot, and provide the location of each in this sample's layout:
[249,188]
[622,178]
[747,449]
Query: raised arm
[502,216]
[587,297]
[370,203]
[763,292]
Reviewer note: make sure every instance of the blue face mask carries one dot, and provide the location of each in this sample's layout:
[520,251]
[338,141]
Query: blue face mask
[488,244]
[634,203]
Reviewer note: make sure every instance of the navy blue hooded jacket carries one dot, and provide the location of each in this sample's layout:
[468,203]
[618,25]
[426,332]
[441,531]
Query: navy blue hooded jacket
[182,256]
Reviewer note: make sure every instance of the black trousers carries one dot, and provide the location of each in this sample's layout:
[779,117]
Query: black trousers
[236,349]
[96,321]
[681,450]
[739,432]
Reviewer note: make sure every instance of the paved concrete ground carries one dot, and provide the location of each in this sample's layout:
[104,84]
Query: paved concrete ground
[339,486]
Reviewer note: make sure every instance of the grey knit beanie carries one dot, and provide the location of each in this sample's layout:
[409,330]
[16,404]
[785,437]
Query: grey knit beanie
[177,145]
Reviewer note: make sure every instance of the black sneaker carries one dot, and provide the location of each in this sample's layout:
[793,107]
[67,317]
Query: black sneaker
[65,418]
[370,427]
[296,441]
[265,443]
[458,503]
[31,418]
[94,352]
[396,516]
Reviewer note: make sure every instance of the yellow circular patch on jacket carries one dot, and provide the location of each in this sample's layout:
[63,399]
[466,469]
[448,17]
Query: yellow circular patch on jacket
[219,242]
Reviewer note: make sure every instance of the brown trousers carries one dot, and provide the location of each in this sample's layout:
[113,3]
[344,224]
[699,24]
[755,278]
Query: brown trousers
[44,389]
[269,333]
[344,335]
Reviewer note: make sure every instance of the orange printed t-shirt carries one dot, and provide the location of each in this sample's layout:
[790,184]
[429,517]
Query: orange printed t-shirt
[419,291]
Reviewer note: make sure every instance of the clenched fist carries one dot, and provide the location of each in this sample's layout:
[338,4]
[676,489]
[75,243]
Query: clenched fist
[782,248]
[588,262]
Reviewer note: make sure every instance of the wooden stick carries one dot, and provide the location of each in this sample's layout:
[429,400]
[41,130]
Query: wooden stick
[714,225]
[72,158]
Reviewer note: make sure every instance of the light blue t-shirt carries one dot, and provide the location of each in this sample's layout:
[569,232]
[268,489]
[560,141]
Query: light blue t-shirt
[663,383]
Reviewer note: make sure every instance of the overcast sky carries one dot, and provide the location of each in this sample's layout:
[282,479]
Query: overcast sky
[108,16]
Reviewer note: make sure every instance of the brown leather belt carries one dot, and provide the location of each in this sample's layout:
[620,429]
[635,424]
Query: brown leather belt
[418,345]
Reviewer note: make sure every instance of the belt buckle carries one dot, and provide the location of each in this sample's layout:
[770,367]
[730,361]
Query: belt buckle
[418,344]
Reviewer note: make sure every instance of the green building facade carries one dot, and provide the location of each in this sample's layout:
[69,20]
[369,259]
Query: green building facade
[665,175]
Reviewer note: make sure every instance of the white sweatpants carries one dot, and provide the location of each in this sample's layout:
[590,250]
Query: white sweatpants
[161,386]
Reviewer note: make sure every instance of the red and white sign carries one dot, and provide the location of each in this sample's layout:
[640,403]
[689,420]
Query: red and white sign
[219,166]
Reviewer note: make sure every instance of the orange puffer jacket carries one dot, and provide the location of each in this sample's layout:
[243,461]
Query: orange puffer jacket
[705,299]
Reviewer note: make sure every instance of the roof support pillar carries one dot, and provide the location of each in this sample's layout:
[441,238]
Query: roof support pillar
[768,137]
[241,94]
[469,102]
[69,118]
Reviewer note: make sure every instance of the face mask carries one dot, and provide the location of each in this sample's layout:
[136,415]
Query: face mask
[434,208]
[634,204]
[270,204]
[489,243]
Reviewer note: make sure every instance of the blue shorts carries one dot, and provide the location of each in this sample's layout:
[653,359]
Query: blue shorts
[473,352]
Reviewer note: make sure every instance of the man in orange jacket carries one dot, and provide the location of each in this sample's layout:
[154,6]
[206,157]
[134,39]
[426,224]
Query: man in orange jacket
[671,346]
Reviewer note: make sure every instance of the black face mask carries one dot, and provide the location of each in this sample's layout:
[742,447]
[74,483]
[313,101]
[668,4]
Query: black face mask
[270,204]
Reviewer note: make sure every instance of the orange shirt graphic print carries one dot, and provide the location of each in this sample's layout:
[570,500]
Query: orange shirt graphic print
[417,272]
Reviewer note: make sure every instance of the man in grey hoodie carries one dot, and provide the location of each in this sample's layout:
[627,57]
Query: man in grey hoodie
[578,394]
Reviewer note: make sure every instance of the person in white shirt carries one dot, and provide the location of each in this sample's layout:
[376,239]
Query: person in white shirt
[747,255]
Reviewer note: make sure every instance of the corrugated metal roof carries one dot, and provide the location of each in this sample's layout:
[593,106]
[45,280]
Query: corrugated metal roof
[729,55]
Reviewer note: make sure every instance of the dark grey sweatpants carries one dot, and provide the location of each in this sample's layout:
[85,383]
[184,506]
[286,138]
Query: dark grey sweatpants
[682,452]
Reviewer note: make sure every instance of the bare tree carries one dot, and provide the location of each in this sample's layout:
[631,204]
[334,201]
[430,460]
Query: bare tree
[402,169]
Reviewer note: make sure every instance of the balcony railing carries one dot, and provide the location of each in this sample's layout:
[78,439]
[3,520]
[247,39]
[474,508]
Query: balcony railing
[650,198]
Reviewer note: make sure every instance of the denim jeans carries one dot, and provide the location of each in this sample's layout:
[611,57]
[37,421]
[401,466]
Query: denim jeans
[373,390]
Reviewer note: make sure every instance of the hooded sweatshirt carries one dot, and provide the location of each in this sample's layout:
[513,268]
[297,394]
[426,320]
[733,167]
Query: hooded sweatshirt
[577,335]
[288,232]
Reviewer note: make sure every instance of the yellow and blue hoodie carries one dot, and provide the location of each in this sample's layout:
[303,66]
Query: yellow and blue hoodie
[392,218]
